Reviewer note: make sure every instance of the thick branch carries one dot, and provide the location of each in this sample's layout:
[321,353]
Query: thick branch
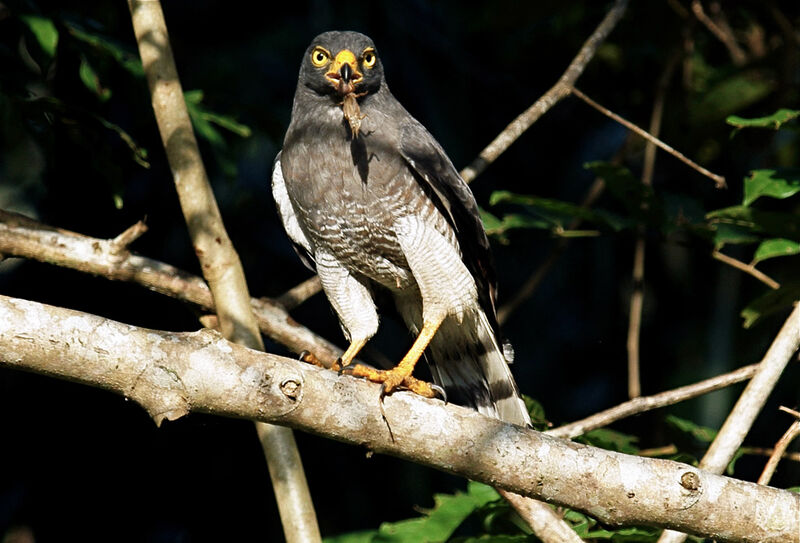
[26,238]
[20,236]
[171,374]
[556,93]
[747,408]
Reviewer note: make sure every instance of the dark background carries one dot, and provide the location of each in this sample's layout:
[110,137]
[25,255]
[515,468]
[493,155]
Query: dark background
[78,463]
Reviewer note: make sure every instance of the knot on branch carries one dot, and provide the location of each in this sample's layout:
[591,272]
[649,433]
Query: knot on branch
[162,394]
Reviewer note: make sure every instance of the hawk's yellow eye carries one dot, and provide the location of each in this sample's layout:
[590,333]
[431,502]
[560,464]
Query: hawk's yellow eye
[369,58]
[320,57]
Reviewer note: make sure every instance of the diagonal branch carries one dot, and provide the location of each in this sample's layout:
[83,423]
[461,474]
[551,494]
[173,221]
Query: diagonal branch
[642,404]
[749,405]
[555,94]
[749,269]
[218,259]
[720,31]
[171,374]
[719,181]
[780,448]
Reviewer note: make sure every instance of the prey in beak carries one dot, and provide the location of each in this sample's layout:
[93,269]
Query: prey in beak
[344,74]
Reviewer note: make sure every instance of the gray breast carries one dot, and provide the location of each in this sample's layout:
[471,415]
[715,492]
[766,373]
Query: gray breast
[348,194]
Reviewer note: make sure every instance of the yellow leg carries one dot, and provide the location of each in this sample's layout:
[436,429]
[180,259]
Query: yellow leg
[401,374]
[342,362]
[350,353]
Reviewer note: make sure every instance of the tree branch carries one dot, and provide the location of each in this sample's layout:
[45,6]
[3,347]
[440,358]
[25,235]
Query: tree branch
[20,236]
[648,403]
[722,32]
[171,374]
[26,238]
[300,293]
[219,261]
[780,448]
[561,89]
[741,418]
[746,268]
[719,181]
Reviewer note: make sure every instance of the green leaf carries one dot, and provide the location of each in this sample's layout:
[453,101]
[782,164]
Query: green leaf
[44,31]
[437,524]
[499,227]
[630,534]
[773,183]
[488,538]
[197,111]
[612,440]
[130,62]
[774,224]
[773,121]
[55,106]
[794,489]
[772,248]
[637,198]
[559,213]
[701,433]
[771,303]
[92,81]
[729,95]
[364,536]
[536,411]
[491,223]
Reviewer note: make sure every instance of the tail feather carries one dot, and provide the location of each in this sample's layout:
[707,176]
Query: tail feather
[466,361]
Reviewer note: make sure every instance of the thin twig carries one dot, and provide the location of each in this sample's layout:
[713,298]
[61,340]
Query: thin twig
[130,235]
[300,293]
[749,405]
[719,181]
[780,448]
[794,413]
[219,261]
[648,403]
[722,32]
[666,450]
[763,451]
[746,268]
[640,247]
[635,317]
[561,89]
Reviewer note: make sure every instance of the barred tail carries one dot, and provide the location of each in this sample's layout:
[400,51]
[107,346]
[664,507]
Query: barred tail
[468,363]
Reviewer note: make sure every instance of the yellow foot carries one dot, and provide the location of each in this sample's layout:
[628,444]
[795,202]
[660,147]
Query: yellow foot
[308,357]
[397,379]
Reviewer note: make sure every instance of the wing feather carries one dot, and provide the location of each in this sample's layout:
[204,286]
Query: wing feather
[290,223]
[456,202]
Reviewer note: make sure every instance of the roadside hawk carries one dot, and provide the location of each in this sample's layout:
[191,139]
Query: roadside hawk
[372,202]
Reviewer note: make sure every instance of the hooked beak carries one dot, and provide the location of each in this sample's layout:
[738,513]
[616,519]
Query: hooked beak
[343,73]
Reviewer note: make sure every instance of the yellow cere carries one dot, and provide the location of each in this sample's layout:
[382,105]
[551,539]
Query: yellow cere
[345,56]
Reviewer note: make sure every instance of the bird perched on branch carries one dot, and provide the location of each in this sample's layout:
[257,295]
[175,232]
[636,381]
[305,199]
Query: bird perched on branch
[371,201]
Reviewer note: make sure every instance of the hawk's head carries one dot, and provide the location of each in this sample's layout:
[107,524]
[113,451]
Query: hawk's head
[340,63]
